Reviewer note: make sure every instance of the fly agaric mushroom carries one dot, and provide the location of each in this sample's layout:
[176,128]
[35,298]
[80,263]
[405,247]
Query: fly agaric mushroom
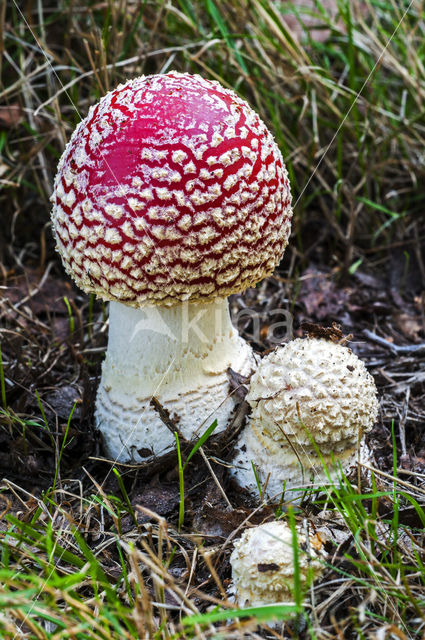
[310,389]
[171,195]
[263,564]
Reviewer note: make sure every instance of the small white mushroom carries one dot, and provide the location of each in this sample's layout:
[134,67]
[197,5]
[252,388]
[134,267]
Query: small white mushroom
[263,564]
[311,389]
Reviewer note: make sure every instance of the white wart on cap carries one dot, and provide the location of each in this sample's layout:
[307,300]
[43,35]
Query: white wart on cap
[171,191]
[310,389]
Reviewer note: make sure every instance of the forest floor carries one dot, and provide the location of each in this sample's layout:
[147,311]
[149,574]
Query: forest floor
[92,549]
[54,474]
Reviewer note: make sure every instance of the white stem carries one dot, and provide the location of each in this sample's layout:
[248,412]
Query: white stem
[179,355]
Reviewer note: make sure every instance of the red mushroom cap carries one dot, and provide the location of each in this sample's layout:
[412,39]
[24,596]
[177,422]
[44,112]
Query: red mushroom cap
[171,189]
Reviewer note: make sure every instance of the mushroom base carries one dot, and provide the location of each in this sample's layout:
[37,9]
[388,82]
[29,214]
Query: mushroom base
[291,467]
[179,355]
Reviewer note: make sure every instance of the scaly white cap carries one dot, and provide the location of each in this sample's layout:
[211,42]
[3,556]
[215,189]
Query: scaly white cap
[263,564]
[311,388]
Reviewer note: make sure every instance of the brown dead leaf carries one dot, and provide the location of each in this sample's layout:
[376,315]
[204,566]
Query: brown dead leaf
[321,296]
[318,540]
[409,326]
[10,115]
[333,333]
[48,297]
[312,23]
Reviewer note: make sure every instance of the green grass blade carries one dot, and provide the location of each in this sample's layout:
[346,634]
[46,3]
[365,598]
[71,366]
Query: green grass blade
[2,382]
[262,614]
[181,482]
[201,441]
[125,496]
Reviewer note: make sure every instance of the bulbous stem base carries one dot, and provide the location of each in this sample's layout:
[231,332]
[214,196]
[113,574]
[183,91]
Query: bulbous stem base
[180,356]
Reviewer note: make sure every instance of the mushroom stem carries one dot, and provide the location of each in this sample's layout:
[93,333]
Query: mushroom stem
[179,355]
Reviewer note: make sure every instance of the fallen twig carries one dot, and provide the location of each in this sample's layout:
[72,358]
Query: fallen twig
[394,348]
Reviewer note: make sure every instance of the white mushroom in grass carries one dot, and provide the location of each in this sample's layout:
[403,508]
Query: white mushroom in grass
[310,389]
[262,564]
[171,195]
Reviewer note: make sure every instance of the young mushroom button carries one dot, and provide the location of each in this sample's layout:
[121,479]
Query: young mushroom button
[171,195]
[262,564]
[310,396]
